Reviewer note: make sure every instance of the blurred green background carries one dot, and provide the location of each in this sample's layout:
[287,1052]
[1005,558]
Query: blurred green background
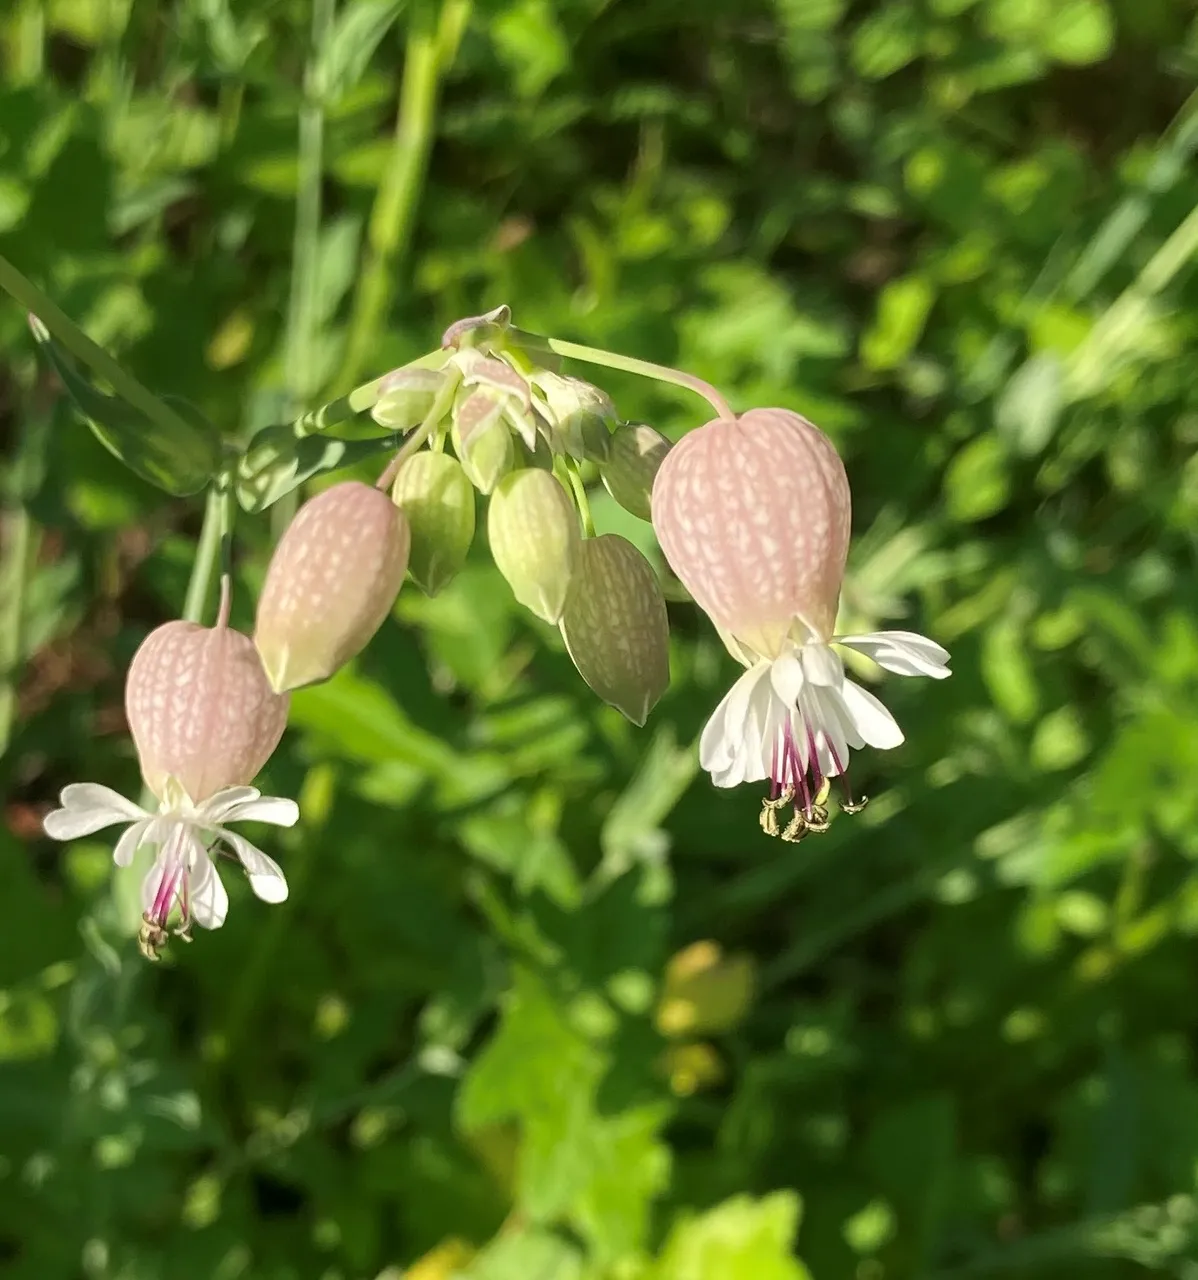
[958,234]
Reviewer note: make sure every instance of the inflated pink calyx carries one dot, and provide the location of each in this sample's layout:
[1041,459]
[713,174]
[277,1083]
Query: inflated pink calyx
[201,710]
[753,515]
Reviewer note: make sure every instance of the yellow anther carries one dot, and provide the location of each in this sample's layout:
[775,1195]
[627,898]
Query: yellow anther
[796,829]
[817,819]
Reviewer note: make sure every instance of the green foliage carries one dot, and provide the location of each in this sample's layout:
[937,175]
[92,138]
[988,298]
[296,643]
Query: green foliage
[960,236]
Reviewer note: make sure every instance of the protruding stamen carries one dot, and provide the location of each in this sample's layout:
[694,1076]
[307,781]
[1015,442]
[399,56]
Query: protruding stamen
[769,809]
[151,938]
[796,828]
[818,822]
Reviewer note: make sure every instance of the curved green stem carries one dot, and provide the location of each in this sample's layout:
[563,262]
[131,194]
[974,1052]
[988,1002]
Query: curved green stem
[215,549]
[645,368]
[420,434]
[431,47]
[15,560]
[574,479]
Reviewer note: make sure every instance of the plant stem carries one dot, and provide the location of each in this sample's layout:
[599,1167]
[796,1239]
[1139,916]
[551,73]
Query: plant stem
[431,47]
[95,357]
[305,245]
[27,44]
[300,361]
[14,572]
[580,499]
[437,411]
[213,536]
[646,369]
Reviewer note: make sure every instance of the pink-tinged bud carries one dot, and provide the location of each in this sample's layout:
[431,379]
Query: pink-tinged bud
[201,709]
[753,516]
[615,626]
[535,537]
[481,440]
[332,580]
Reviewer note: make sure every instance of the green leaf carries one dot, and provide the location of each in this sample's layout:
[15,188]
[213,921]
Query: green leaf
[528,38]
[1079,32]
[358,32]
[1008,673]
[278,462]
[741,1239]
[886,41]
[977,483]
[1030,404]
[911,1151]
[181,460]
[902,313]
[599,1173]
[525,1255]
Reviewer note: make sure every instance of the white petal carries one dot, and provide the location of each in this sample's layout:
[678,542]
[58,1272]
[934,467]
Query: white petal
[265,875]
[129,843]
[207,900]
[831,729]
[786,676]
[88,807]
[903,652]
[822,665]
[273,809]
[724,733]
[763,725]
[91,795]
[215,809]
[870,718]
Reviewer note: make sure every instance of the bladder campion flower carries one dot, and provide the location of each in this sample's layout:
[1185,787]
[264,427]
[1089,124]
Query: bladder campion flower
[204,720]
[753,516]
[332,580]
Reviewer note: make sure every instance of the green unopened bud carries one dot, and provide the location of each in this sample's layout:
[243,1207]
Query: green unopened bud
[436,496]
[615,626]
[406,396]
[632,461]
[332,580]
[482,440]
[535,539]
[580,415]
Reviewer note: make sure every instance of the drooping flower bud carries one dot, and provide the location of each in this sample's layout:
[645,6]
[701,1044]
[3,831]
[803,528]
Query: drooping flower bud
[633,460]
[533,530]
[578,413]
[201,710]
[615,626]
[505,388]
[753,516]
[406,396]
[436,497]
[332,580]
[482,441]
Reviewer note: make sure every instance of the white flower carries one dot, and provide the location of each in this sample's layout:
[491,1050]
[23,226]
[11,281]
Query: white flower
[793,719]
[183,834]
